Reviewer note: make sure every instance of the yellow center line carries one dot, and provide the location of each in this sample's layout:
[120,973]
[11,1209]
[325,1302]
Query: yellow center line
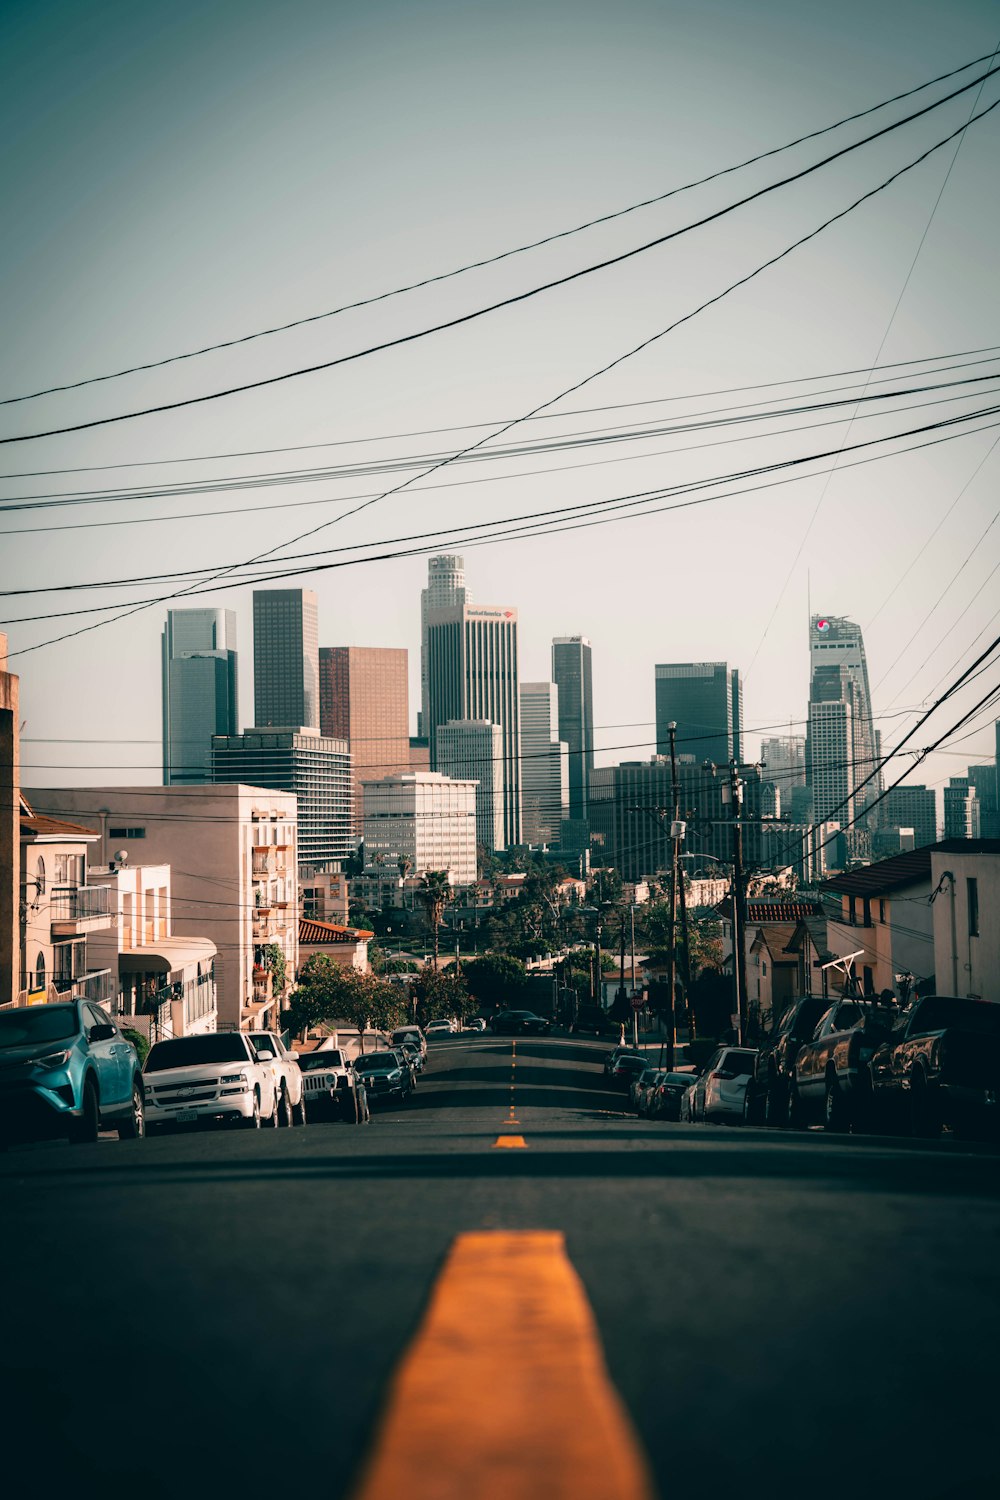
[510,1324]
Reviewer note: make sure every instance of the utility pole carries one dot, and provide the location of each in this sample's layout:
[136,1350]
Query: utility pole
[675,863]
[635,1012]
[739,903]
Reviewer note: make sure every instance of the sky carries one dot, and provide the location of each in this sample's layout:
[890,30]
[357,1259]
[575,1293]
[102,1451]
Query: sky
[182,174]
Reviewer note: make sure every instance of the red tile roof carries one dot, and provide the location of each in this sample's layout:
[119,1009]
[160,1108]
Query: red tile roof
[312,932]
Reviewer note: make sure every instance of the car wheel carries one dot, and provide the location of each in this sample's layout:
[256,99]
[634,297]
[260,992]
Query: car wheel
[84,1130]
[284,1110]
[834,1106]
[133,1127]
[925,1116]
[252,1122]
[775,1103]
[795,1116]
[299,1111]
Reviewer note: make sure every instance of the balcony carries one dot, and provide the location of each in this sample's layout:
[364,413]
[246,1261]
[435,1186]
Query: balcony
[263,861]
[79,909]
[100,985]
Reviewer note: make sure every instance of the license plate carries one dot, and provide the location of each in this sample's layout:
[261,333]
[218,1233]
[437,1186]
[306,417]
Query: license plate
[186,1116]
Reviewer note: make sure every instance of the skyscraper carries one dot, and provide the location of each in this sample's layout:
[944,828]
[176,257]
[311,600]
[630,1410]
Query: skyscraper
[364,699]
[317,770]
[445,589]
[199,690]
[285,659]
[910,807]
[472,674]
[840,739]
[705,700]
[544,765]
[472,750]
[961,809]
[572,675]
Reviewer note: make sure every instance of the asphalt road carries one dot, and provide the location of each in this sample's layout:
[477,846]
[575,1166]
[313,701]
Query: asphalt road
[221,1312]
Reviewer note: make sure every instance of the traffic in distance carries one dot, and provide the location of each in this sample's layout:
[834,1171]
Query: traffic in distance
[853,1065]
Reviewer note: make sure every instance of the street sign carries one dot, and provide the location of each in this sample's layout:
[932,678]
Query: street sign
[638,1001]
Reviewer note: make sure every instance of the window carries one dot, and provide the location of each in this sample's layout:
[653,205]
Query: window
[881,909]
[40,972]
[972,898]
[126,833]
[40,876]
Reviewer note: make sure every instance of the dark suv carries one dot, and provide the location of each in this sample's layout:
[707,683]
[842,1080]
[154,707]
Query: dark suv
[769,1096]
[66,1069]
[518,1023]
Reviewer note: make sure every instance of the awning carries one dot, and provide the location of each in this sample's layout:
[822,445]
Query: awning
[167,954]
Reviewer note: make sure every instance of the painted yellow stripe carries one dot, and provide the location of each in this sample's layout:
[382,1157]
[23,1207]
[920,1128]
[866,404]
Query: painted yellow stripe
[504,1394]
[509,1140]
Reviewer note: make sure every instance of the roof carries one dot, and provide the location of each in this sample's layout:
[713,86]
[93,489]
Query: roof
[887,875]
[312,932]
[40,826]
[167,954]
[776,937]
[779,910]
[813,928]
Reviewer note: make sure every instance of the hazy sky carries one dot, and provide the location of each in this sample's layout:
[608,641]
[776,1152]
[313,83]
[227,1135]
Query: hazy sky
[177,174]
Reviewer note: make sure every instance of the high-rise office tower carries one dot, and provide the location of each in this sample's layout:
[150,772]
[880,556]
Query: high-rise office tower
[364,699]
[285,659]
[913,807]
[961,809]
[544,765]
[472,674]
[785,762]
[316,769]
[472,750]
[705,700]
[445,589]
[984,779]
[199,690]
[840,740]
[572,675]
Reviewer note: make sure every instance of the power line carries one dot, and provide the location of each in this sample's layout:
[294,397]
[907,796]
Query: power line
[516,298]
[493,259]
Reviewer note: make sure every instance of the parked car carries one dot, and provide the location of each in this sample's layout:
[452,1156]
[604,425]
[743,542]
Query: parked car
[664,1102]
[474,1023]
[66,1069]
[627,1066]
[684,1113]
[386,1076]
[409,1034]
[413,1055]
[643,1089]
[832,1078]
[272,1052]
[330,1085]
[769,1094]
[217,1076]
[519,1023]
[717,1094]
[940,1065]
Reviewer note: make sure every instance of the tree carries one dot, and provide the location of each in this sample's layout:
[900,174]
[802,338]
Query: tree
[329,993]
[434,894]
[435,996]
[495,979]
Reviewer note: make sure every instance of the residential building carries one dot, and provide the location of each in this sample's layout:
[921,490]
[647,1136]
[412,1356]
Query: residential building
[445,590]
[346,946]
[10,831]
[286,658]
[61,912]
[364,699]
[913,807]
[572,673]
[965,880]
[324,895]
[166,984]
[317,770]
[840,740]
[886,918]
[232,853]
[199,673]
[472,750]
[705,700]
[961,809]
[424,821]
[473,674]
[544,765]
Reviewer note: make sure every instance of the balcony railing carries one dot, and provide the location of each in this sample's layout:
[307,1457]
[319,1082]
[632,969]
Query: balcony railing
[100,985]
[78,902]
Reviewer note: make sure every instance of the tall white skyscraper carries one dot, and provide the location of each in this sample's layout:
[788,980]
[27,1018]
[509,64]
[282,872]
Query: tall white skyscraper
[285,659]
[445,588]
[472,661]
[472,750]
[199,690]
[544,765]
[840,740]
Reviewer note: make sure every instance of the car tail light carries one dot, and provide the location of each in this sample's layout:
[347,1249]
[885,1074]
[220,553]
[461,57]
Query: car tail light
[723,1076]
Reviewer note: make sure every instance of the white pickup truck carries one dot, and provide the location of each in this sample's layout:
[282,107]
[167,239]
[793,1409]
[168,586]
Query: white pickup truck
[288,1080]
[217,1076]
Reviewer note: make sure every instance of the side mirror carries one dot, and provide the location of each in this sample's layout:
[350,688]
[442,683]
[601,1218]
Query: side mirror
[264,1054]
[100,1033]
[294,1056]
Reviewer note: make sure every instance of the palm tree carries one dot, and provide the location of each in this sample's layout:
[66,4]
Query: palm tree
[404,864]
[434,894]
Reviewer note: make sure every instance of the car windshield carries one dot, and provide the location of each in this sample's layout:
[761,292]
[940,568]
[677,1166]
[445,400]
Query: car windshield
[740,1063]
[27,1024]
[938,1012]
[193,1051]
[384,1063]
[312,1061]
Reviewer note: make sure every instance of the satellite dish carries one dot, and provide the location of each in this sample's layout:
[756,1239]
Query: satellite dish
[121,856]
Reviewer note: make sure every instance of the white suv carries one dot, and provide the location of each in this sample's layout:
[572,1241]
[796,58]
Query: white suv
[217,1076]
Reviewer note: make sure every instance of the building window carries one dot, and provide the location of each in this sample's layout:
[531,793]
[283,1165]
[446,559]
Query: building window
[881,909]
[126,833]
[972,897]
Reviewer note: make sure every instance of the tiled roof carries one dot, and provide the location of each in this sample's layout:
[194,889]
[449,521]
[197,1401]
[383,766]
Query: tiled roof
[312,932]
[782,911]
[886,875]
[38,825]
[776,936]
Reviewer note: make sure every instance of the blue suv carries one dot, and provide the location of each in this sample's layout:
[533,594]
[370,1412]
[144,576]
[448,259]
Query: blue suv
[66,1069]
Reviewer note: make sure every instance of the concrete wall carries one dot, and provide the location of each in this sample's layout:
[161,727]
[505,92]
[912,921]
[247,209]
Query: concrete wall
[967,962]
[10,831]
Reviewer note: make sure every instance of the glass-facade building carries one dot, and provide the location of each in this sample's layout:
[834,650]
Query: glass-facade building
[572,675]
[199,675]
[316,769]
[705,700]
[544,765]
[285,658]
[841,758]
[445,589]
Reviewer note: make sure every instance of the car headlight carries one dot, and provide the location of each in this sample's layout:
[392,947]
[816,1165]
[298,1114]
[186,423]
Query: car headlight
[52,1060]
[235,1078]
